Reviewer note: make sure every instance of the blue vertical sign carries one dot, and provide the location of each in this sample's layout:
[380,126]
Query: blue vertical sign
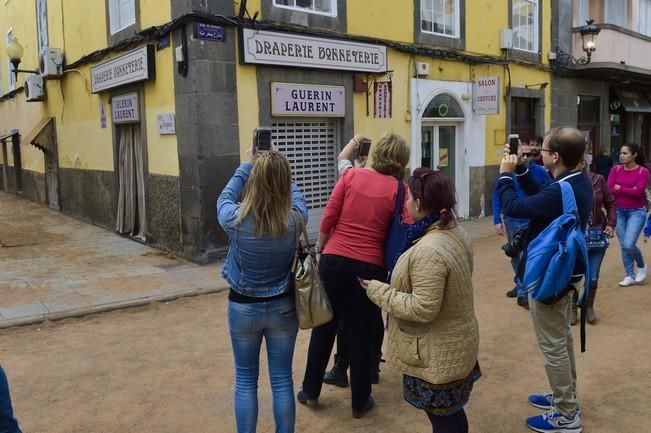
[209,32]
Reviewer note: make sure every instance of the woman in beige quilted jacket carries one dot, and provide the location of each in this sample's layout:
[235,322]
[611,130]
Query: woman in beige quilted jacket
[433,334]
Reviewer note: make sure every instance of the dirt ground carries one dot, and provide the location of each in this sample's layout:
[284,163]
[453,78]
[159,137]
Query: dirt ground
[167,368]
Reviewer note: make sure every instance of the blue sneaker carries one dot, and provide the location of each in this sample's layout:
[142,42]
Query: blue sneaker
[554,422]
[542,401]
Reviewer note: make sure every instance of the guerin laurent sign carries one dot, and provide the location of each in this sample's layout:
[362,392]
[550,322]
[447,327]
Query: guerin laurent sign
[125,108]
[287,49]
[137,65]
[307,100]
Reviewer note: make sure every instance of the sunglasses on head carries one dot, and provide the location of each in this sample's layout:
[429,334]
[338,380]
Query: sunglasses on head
[422,178]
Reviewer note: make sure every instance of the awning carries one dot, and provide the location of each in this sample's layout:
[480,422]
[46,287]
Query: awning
[633,101]
[42,135]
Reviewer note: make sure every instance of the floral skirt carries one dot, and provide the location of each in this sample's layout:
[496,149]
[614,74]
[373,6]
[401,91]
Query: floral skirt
[440,399]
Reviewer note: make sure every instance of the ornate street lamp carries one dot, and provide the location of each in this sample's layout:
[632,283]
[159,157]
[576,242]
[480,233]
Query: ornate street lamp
[565,60]
[588,32]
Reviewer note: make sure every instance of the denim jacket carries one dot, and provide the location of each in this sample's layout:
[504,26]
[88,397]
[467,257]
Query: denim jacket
[255,266]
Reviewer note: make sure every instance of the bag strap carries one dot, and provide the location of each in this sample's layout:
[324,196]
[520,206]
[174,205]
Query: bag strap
[569,201]
[297,234]
[397,210]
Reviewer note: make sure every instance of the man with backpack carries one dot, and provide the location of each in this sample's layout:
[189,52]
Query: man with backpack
[563,150]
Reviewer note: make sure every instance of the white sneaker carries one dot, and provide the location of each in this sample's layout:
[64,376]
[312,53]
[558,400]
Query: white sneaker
[628,281]
[640,275]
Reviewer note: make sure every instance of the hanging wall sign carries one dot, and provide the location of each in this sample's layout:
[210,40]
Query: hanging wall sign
[307,100]
[382,105]
[208,32]
[290,49]
[125,108]
[166,124]
[486,95]
[137,65]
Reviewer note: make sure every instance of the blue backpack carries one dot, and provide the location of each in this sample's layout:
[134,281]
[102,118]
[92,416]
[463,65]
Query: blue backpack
[552,255]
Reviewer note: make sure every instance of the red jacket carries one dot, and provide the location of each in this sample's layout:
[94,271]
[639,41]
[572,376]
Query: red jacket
[602,199]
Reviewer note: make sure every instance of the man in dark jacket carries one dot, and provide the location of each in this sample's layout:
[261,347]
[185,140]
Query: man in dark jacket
[563,150]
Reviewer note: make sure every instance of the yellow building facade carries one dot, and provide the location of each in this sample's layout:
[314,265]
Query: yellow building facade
[153,104]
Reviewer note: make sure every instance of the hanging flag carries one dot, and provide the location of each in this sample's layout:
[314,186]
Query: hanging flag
[382,106]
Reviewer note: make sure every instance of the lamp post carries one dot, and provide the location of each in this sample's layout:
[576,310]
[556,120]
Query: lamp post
[15,54]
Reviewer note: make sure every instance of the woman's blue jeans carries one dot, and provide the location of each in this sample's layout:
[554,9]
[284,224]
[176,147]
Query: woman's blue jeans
[275,321]
[630,223]
[8,423]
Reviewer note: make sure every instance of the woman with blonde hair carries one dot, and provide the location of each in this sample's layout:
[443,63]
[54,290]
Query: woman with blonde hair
[258,269]
[352,234]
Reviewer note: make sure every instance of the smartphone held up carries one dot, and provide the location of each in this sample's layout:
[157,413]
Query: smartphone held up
[363,148]
[261,139]
[514,141]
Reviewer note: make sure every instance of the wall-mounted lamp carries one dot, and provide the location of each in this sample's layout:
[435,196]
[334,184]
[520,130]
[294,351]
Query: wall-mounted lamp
[15,53]
[588,32]
[565,60]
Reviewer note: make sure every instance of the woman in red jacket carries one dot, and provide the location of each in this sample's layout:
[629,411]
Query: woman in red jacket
[352,234]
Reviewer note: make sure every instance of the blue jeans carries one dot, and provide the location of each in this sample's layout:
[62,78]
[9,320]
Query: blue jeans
[8,423]
[595,257]
[275,321]
[630,223]
[512,227]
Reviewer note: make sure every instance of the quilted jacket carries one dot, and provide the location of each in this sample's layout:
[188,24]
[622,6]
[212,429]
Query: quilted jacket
[433,332]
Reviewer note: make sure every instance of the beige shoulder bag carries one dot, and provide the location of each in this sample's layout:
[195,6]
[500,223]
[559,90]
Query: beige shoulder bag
[312,304]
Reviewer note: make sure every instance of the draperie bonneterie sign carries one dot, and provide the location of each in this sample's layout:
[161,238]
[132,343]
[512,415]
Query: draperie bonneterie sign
[382,106]
[125,108]
[137,65]
[486,95]
[291,49]
[307,100]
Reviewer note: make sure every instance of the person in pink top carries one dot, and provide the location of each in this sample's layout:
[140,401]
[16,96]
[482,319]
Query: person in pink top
[351,239]
[628,182]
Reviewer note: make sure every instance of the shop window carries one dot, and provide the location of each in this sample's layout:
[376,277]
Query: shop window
[588,109]
[322,7]
[122,14]
[443,106]
[440,17]
[11,78]
[41,24]
[525,25]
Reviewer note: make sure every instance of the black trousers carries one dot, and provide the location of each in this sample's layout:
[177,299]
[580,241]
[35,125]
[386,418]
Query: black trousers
[342,347]
[350,303]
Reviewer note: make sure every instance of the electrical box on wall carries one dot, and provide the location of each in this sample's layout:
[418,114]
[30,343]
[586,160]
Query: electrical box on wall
[422,69]
[34,88]
[51,62]
[506,39]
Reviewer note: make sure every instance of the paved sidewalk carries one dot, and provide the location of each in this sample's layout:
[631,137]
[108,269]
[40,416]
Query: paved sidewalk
[53,266]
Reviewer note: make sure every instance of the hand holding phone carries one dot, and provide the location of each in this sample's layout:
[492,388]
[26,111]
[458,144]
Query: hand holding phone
[514,141]
[261,139]
[363,149]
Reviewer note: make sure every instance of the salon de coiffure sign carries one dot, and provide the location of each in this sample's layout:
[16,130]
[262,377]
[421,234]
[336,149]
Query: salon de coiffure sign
[290,49]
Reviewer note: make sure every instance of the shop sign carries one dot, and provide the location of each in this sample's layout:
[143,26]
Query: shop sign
[486,95]
[137,65]
[290,49]
[166,124]
[307,100]
[125,108]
